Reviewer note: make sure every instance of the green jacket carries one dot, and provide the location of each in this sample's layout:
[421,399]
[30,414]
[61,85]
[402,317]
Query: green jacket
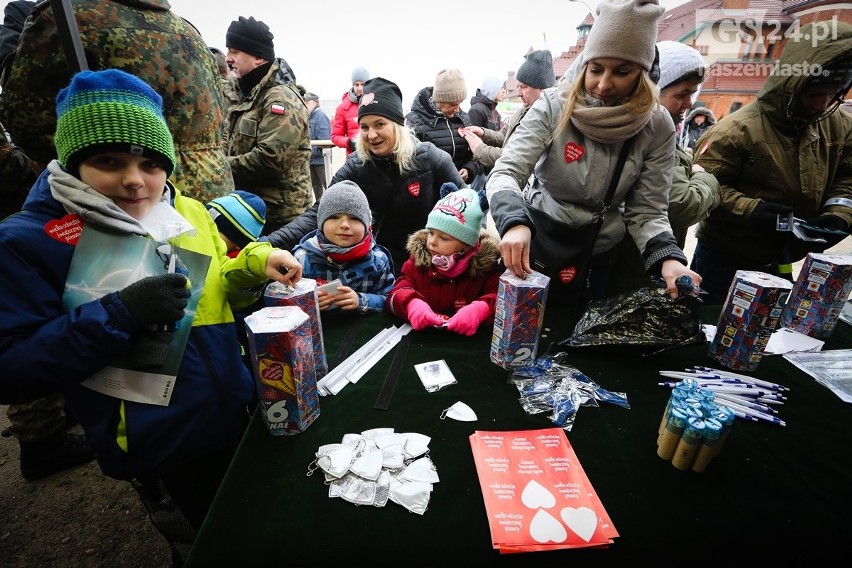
[758,153]
[142,37]
[269,146]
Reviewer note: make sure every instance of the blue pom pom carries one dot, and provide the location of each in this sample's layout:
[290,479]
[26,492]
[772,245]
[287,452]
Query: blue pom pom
[447,188]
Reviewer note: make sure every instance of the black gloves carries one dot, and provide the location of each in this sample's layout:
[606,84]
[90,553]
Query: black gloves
[351,144]
[828,221]
[156,299]
[765,215]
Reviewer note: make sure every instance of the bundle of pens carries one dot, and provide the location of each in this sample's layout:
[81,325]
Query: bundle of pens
[750,398]
[702,408]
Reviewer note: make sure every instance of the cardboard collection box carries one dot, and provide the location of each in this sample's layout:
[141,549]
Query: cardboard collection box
[304,295]
[282,355]
[518,319]
[749,316]
[819,294]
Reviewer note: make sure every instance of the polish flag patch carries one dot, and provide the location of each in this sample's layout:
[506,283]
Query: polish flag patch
[277,109]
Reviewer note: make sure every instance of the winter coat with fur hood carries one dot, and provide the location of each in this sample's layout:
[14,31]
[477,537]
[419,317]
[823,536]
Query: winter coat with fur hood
[446,295]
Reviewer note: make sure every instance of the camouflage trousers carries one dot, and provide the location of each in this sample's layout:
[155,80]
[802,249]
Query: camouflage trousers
[38,420]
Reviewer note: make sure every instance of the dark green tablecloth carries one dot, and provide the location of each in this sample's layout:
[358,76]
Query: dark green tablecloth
[773,492]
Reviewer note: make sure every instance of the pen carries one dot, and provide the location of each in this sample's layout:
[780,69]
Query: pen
[729,374]
[724,399]
[754,414]
[767,385]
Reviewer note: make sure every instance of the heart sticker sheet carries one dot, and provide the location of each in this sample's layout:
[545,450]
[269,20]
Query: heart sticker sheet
[536,493]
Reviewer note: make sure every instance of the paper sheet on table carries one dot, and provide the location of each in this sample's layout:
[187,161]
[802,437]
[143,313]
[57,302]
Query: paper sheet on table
[782,341]
[537,495]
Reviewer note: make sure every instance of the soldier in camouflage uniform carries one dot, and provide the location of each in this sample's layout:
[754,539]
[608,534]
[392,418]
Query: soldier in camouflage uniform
[142,37]
[268,138]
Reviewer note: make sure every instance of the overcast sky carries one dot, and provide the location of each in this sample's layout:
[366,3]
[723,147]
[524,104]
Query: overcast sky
[407,43]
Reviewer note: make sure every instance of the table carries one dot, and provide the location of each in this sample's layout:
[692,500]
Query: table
[773,493]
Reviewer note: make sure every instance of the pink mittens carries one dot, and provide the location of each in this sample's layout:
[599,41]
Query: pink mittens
[421,316]
[468,319]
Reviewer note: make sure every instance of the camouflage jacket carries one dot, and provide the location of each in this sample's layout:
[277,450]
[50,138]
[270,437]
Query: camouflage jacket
[142,37]
[17,175]
[269,146]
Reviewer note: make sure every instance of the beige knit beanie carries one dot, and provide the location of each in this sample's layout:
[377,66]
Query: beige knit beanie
[624,29]
[449,87]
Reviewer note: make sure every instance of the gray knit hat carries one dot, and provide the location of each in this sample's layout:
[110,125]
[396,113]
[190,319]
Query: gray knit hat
[344,197]
[449,87]
[537,70]
[360,75]
[677,60]
[625,29]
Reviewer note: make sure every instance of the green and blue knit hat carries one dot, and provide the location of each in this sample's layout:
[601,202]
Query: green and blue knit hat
[111,111]
[240,216]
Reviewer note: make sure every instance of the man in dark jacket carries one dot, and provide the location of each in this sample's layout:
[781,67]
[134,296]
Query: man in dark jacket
[786,152]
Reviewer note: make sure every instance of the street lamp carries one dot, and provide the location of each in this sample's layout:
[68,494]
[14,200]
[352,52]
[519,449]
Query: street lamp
[591,11]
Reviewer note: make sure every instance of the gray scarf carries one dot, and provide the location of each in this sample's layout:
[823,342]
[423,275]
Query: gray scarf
[91,206]
[161,223]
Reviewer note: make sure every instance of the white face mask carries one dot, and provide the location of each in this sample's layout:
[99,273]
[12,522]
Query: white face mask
[413,495]
[379,465]
[459,411]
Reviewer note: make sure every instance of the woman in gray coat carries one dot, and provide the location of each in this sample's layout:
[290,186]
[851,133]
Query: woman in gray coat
[570,141]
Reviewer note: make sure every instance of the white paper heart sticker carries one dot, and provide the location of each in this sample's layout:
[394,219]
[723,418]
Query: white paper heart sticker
[546,528]
[581,520]
[536,495]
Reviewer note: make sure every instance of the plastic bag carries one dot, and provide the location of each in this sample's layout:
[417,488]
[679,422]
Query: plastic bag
[646,320]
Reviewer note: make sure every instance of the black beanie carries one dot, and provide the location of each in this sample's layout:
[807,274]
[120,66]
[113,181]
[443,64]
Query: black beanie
[383,98]
[251,36]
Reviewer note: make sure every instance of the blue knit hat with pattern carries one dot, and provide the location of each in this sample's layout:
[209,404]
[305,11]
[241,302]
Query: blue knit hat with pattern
[459,214]
[240,216]
[111,111]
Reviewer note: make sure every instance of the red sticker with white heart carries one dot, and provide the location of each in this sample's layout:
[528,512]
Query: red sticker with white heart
[66,230]
[573,152]
[567,274]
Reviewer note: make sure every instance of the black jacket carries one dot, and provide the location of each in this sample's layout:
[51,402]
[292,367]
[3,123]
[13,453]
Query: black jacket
[429,125]
[399,203]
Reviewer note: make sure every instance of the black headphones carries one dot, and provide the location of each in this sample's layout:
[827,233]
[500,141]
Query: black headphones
[654,72]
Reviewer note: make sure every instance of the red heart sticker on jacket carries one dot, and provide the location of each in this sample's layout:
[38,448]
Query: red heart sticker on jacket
[573,152]
[66,230]
[414,188]
[567,274]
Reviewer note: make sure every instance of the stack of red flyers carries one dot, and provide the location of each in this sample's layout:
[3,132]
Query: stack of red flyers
[536,493]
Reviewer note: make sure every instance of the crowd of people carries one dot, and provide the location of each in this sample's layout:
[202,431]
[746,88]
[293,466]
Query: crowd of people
[432,204]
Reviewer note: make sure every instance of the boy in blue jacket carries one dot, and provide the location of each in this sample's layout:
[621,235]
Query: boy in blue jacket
[115,153]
